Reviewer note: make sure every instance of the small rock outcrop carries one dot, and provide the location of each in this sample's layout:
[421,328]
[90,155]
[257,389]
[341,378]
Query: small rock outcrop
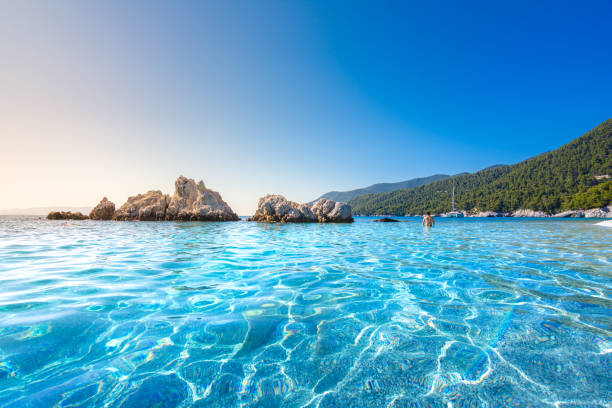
[529,213]
[386,219]
[103,211]
[150,206]
[194,202]
[570,214]
[66,215]
[276,208]
[604,212]
[487,214]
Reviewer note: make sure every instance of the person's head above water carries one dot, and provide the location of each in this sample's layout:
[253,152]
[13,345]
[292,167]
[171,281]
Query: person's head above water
[428,213]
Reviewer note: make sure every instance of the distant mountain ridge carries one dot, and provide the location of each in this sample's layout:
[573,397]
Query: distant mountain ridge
[43,210]
[346,196]
[557,180]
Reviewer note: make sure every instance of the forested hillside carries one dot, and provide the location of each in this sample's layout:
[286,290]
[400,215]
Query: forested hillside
[550,182]
[345,196]
[597,196]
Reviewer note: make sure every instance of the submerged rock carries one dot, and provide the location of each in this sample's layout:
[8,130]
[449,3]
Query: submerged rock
[66,215]
[194,202]
[386,219]
[529,213]
[276,208]
[103,211]
[150,206]
[603,212]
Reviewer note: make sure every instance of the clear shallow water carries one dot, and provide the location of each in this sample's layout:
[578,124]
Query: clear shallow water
[471,313]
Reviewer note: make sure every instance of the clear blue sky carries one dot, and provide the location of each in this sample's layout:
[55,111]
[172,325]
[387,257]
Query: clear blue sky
[292,97]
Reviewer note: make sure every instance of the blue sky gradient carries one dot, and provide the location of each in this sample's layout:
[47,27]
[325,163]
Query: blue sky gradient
[298,98]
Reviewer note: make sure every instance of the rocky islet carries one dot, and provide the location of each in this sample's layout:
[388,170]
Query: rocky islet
[276,208]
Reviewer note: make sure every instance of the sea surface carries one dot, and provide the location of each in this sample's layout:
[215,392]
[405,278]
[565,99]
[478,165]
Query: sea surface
[470,313]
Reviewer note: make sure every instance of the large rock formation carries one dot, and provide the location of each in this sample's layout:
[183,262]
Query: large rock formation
[103,211]
[191,202]
[194,202]
[529,213]
[66,215]
[276,208]
[150,206]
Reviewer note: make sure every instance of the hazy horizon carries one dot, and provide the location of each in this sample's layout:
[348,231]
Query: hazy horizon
[46,208]
[296,98]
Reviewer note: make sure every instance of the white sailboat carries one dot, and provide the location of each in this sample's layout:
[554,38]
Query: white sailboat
[454,213]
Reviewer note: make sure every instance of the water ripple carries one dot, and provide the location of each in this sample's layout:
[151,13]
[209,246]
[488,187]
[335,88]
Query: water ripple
[472,313]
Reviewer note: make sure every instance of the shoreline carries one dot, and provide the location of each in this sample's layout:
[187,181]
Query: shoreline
[606,222]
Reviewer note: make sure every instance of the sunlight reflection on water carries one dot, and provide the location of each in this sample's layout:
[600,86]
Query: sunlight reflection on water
[490,312]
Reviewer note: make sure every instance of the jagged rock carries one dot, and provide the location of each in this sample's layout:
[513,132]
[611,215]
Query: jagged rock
[191,202]
[529,213]
[150,206]
[103,211]
[604,212]
[276,208]
[386,219]
[66,215]
[570,214]
[332,211]
[194,202]
[487,214]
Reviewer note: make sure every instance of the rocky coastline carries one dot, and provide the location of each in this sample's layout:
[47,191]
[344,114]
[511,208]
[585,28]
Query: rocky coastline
[603,212]
[192,201]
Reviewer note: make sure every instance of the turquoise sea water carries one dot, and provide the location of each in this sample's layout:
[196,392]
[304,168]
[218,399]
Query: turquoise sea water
[470,313]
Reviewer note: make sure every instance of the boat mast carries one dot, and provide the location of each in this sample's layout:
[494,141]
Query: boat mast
[453,203]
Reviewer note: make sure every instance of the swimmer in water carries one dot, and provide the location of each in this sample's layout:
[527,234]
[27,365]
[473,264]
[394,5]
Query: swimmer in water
[428,220]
